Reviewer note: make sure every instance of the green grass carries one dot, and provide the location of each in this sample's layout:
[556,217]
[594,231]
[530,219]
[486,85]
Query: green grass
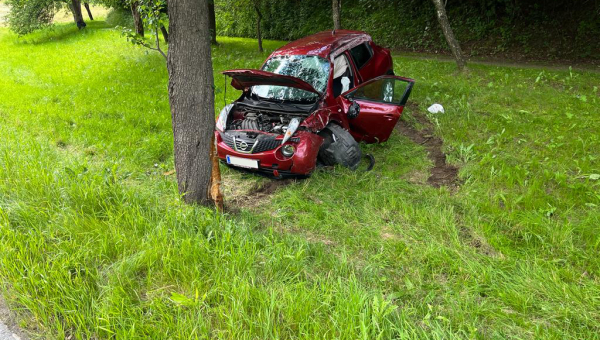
[95,243]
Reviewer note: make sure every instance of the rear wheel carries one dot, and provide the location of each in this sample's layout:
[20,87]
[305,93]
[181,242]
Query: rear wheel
[339,147]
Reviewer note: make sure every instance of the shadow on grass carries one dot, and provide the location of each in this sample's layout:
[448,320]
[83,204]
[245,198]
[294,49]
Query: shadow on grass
[61,32]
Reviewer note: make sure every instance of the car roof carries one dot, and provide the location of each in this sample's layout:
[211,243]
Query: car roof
[323,44]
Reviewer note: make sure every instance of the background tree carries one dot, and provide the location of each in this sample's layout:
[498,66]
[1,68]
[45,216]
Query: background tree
[191,97]
[138,22]
[153,15]
[258,20]
[212,22]
[337,9]
[77,14]
[25,16]
[449,34]
[89,12]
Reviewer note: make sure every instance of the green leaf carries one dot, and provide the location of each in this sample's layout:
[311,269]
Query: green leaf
[181,300]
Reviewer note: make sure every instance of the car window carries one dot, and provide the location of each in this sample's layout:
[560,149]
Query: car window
[361,54]
[312,69]
[386,90]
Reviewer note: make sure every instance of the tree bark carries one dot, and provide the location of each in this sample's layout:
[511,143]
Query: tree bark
[337,9]
[191,97]
[452,42]
[258,33]
[137,18]
[165,33]
[212,22]
[87,8]
[77,15]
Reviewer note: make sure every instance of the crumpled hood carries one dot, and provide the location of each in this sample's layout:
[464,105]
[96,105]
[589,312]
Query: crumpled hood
[242,79]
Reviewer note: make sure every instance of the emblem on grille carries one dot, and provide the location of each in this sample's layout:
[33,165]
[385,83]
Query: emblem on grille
[242,145]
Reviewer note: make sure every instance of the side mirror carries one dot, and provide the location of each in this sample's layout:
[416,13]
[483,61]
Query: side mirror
[353,110]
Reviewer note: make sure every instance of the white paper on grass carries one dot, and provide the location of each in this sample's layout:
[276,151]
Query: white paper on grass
[436,108]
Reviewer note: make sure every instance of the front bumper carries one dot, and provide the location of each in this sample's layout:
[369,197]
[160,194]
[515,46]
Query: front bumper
[273,162]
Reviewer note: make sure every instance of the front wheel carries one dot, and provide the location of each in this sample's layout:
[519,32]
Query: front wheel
[339,147]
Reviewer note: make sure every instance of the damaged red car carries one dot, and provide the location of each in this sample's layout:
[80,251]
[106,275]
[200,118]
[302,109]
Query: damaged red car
[311,103]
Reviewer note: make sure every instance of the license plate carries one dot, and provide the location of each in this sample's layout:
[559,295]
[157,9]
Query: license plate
[242,162]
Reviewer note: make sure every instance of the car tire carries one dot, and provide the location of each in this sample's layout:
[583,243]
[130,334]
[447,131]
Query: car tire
[339,147]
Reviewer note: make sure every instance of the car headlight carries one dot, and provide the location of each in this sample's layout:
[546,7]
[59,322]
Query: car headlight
[222,120]
[292,127]
[288,150]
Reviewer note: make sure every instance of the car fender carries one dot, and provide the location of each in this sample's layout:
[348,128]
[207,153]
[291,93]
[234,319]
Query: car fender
[318,120]
[305,157]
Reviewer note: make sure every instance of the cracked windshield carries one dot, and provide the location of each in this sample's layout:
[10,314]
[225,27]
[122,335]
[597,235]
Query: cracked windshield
[312,69]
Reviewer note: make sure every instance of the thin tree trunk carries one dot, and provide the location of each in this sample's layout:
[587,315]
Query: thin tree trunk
[87,8]
[191,97]
[452,42]
[212,22]
[258,33]
[77,15]
[137,18]
[165,33]
[337,9]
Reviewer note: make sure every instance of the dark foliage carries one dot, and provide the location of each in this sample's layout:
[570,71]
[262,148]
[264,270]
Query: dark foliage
[517,28]
[26,16]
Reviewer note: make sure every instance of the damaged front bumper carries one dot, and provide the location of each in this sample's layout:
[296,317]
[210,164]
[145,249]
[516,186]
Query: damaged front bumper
[262,152]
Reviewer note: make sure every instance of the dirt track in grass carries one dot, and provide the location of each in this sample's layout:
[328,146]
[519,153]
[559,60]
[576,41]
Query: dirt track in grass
[442,173]
[256,196]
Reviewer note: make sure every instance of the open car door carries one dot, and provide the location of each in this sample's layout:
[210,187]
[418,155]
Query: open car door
[374,107]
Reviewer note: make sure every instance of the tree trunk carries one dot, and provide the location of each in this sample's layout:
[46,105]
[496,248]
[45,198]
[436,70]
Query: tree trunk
[258,34]
[191,97]
[212,22]
[77,15]
[137,18]
[87,8]
[452,42]
[165,33]
[337,9]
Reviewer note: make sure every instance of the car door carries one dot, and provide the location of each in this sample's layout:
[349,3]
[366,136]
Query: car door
[374,107]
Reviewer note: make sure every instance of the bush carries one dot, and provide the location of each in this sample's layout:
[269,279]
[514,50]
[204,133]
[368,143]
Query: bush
[119,17]
[29,15]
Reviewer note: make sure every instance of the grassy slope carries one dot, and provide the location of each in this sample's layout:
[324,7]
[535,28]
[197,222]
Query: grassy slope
[94,242]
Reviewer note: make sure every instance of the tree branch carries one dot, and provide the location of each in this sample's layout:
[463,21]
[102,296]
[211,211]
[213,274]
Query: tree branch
[158,43]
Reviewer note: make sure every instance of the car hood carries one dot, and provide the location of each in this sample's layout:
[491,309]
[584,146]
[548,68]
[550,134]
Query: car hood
[242,79]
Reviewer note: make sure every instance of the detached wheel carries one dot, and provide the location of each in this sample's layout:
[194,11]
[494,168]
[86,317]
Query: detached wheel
[339,147]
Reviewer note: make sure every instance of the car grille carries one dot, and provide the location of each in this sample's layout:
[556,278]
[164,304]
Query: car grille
[265,144]
[241,142]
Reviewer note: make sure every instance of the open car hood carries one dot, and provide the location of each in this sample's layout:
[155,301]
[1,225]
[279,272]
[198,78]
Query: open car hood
[242,79]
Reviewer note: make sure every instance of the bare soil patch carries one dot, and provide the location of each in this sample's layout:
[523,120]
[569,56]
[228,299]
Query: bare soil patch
[442,173]
[468,237]
[238,195]
[8,319]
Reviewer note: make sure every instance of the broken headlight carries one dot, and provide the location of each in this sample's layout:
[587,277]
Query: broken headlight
[291,128]
[222,120]
[288,150]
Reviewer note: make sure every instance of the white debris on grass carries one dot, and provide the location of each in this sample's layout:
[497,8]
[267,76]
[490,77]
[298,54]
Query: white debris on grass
[436,108]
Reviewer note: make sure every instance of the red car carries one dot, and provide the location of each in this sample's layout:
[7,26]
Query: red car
[312,101]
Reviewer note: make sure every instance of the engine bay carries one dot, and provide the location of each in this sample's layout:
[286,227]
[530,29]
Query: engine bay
[256,119]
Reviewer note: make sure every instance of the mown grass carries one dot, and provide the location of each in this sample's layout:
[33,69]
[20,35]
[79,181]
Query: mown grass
[94,242]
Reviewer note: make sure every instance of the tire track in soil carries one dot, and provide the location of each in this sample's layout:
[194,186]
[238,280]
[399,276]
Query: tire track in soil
[442,173]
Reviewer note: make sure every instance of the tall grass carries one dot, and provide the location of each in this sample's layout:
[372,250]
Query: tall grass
[95,243]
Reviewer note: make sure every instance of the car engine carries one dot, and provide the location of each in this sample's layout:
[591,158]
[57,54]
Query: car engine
[261,120]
